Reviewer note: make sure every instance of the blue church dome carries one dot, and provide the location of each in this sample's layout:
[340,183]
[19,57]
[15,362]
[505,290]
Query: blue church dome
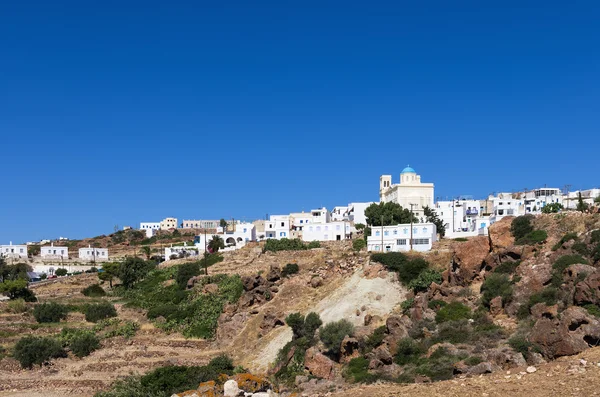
[407,170]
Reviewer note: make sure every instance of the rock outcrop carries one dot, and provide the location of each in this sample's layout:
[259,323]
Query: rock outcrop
[469,258]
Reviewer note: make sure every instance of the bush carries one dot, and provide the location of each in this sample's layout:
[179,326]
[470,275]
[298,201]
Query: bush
[595,238]
[94,290]
[185,272]
[439,366]
[424,280]
[50,312]
[454,332]
[407,304]
[303,326]
[17,289]
[548,296]
[168,311]
[285,244]
[407,269]
[32,350]
[17,306]
[580,248]
[358,244]
[376,338]
[567,237]
[100,311]
[508,267]
[61,272]
[131,386]
[561,264]
[81,342]
[358,371]
[436,304]
[133,270]
[461,239]
[594,310]
[313,245]
[334,333]
[408,352]
[289,269]
[496,284]
[535,237]
[521,226]
[473,360]
[452,312]
[520,344]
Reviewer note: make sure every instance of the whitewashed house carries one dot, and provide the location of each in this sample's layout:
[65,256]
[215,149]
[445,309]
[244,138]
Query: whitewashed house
[150,228]
[242,234]
[52,252]
[93,254]
[168,224]
[13,251]
[571,199]
[277,227]
[398,238]
[331,231]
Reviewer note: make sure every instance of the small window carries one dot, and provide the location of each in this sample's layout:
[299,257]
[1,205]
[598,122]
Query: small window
[377,233]
[282,224]
[386,233]
[401,241]
[395,232]
[301,221]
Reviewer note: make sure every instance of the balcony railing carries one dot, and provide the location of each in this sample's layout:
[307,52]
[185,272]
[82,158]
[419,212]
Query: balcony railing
[472,212]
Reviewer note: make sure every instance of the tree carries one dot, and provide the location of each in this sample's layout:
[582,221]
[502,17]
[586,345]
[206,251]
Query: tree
[33,250]
[61,272]
[110,271]
[392,213]
[32,350]
[432,217]
[521,226]
[582,206]
[18,271]
[597,200]
[17,289]
[334,333]
[359,226]
[223,224]
[215,244]
[552,208]
[146,250]
[133,270]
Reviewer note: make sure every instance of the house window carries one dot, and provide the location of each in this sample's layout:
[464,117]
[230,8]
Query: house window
[281,234]
[326,237]
[401,241]
[301,221]
[310,228]
[395,232]
[386,233]
[425,229]
[282,224]
[337,227]
[245,230]
[377,233]
[405,231]
[420,241]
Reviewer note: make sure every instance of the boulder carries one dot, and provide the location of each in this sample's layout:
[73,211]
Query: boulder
[481,368]
[249,283]
[246,300]
[316,281]
[469,258]
[496,306]
[540,310]
[505,357]
[231,389]
[252,383]
[210,289]
[588,290]
[318,364]
[349,349]
[274,274]
[500,235]
[574,332]
[398,326]
[578,272]
[382,354]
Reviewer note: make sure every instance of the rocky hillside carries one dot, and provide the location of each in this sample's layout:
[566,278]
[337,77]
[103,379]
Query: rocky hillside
[319,321]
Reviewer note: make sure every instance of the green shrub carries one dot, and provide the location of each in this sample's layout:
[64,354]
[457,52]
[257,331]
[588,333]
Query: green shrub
[358,371]
[32,350]
[303,327]
[520,344]
[567,237]
[595,254]
[285,244]
[289,269]
[595,237]
[452,312]
[461,239]
[333,334]
[548,296]
[17,306]
[131,386]
[454,332]
[17,289]
[507,267]
[407,304]
[358,244]
[581,248]
[521,226]
[561,264]
[96,312]
[436,304]
[50,312]
[94,290]
[594,310]
[439,366]
[496,284]
[424,280]
[535,237]
[168,311]
[185,272]
[313,245]
[376,338]
[407,269]
[81,342]
[408,352]
[61,272]
[473,360]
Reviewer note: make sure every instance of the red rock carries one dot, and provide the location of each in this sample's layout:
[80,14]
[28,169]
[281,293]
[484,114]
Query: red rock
[318,364]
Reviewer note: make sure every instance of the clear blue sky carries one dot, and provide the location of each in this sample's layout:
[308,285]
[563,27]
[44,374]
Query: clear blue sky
[116,112]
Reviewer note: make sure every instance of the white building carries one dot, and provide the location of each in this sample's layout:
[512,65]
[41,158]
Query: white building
[571,199]
[150,228]
[277,227]
[332,231]
[398,238]
[356,212]
[93,254]
[409,191]
[533,201]
[168,224]
[242,234]
[13,251]
[52,252]
[181,251]
[203,224]
[340,213]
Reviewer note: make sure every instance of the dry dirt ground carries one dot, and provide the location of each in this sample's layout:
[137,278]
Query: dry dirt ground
[567,376]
